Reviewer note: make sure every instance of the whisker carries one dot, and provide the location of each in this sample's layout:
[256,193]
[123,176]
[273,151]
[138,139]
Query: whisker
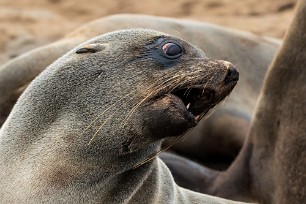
[186,91]
[113,106]
[130,113]
[101,126]
[212,110]
[138,104]
[153,156]
[105,111]
[134,108]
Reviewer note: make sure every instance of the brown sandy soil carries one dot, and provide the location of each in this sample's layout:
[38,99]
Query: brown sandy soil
[26,24]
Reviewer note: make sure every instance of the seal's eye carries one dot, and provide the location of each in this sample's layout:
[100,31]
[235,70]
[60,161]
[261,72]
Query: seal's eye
[172,50]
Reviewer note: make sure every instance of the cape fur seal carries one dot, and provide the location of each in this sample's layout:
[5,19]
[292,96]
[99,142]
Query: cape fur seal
[251,53]
[80,130]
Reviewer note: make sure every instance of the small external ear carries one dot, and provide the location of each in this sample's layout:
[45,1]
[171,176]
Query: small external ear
[91,48]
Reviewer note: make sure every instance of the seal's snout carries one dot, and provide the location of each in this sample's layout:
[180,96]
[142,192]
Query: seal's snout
[232,74]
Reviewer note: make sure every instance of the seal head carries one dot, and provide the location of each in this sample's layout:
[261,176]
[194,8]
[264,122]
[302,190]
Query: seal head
[103,108]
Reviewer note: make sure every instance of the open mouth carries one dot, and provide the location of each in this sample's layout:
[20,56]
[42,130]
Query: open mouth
[196,100]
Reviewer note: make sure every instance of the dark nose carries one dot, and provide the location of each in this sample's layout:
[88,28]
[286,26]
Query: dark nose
[232,74]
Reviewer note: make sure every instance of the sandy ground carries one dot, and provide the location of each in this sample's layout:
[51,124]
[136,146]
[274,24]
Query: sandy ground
[26,24]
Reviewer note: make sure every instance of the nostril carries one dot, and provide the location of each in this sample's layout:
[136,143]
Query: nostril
[232,74]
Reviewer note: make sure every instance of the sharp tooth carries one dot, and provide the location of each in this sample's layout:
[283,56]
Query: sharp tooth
[197,117]
[188,106]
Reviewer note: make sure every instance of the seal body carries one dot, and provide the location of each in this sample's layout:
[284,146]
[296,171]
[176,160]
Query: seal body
[79,135]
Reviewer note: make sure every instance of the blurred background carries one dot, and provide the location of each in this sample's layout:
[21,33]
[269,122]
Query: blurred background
[26,24]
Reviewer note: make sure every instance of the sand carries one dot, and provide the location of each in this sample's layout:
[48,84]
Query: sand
[26,24]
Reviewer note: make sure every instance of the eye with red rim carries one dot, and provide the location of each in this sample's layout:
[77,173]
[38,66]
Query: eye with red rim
[172,50]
